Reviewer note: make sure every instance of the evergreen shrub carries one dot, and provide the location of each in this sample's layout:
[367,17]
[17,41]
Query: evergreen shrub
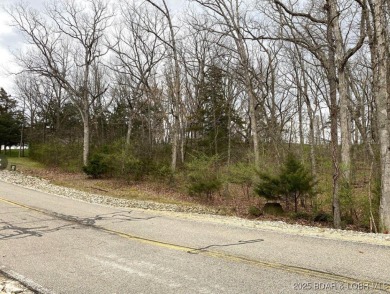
[96,166]
[294,182]
[203,178]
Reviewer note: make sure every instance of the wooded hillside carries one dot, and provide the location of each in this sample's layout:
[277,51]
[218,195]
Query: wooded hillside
[212,91]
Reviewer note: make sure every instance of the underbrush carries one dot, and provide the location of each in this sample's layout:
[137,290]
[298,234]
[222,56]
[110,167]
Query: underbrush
[210,181]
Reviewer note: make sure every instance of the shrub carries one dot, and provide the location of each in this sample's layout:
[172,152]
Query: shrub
[254,211]
[293,181]
[296,180]
[322,217]
[127,164]
[301,216]
[242,174]
[203,176]
[58,154]
[269,187]
[96,166]
[273,208]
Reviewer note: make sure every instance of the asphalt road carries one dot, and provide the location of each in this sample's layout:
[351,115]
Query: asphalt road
[54,244]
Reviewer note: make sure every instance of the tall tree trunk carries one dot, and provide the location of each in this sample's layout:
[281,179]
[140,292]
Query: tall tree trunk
[245,63]
[175,139]
[343,92]
[345,128]
[332,80]
[86,137]
[311,115]
[176,93]
[383,114]
[255,136]
[129,130]
[300,120]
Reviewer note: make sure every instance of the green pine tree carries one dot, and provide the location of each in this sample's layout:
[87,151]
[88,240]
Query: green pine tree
[212,117]
[294,182]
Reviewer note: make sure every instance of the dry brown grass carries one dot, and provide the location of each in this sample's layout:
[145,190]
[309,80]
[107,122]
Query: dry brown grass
[232,200]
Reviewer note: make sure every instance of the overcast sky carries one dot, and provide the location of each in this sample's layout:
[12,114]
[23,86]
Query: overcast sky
[10,41]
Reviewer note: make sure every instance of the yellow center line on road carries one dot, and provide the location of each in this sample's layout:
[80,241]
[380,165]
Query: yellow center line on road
[351,283]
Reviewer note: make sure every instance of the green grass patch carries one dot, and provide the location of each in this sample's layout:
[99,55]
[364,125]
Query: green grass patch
[15,153]
[25,163]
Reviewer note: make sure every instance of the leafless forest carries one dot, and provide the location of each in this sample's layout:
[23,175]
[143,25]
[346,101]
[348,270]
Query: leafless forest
[215,92]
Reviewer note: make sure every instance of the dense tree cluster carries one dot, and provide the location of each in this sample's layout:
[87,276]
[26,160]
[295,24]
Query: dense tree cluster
[232,79]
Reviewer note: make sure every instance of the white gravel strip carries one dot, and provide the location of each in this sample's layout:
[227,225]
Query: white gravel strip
[10,286]
[43,185]
[197,213]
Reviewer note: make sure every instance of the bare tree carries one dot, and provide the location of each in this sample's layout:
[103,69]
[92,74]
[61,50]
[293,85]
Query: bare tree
[65,41]
[137,54]
[230,20]
[171,43]
[342,55]
[304,93]
[319,32]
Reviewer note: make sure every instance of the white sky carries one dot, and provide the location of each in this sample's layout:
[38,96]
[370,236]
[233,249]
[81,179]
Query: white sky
[10,41]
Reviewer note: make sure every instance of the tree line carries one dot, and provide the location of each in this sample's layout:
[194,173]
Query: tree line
[10,121]
[226,78]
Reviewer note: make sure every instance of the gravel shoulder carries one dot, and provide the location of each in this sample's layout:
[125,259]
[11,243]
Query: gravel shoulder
[196,213]
[10,286]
